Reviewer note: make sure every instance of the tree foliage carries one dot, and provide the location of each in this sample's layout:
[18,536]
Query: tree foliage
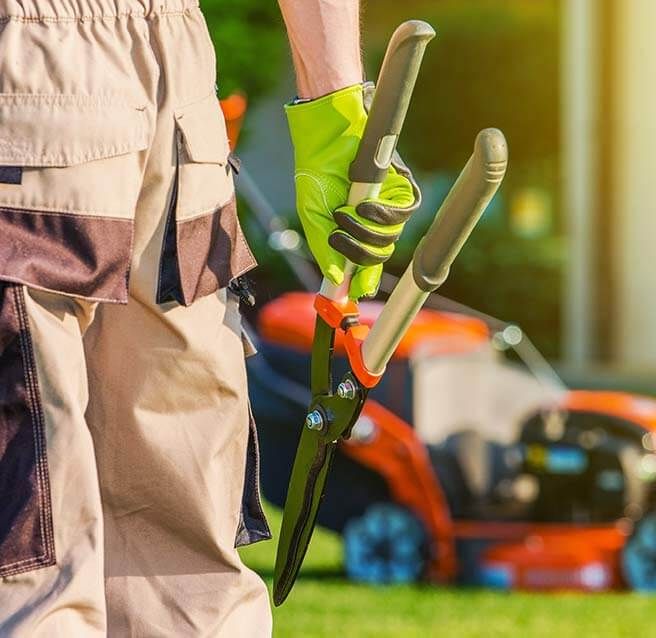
[250,44]
[493,63]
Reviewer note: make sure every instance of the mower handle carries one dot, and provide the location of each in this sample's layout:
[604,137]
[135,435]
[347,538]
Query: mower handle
[454,222]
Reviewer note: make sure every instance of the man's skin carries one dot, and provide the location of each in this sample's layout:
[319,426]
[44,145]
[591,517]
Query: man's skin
[325,40]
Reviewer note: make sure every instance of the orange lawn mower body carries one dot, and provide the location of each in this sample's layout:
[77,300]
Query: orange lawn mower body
[504,484]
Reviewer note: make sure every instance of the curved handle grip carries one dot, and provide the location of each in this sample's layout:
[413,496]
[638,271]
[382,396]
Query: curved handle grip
[461,210]
[437,250]
[396,82]
[394,88]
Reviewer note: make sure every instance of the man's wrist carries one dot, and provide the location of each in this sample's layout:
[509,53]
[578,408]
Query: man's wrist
[312,88]
[296,100]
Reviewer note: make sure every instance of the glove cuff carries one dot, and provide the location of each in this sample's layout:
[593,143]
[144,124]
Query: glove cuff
[314,125]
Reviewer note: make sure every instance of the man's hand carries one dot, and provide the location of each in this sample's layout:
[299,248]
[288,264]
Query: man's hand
[325,40]
[326,133]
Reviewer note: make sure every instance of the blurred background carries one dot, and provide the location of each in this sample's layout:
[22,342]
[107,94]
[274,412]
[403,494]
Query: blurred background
[569,84]
[565,250]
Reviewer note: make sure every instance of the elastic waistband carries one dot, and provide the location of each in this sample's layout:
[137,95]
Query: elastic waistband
[81,10]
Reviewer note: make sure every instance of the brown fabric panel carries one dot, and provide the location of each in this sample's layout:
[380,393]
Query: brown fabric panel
[253,526]
[212,250]
[26,532]
[78,255]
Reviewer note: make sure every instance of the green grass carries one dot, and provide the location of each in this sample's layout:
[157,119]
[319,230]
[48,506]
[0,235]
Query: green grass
[323,603]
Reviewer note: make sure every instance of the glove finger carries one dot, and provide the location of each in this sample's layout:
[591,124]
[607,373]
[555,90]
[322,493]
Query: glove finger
[367,232]
[332,266]
[330,262]
[399,198]
[365,282]
[357,252]
[382,214]
[400,166]
[316,226]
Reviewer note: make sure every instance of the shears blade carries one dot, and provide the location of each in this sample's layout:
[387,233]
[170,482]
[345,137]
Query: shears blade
[304,495]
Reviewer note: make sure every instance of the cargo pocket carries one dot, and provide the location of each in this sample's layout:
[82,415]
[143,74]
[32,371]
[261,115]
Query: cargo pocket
[70,175]
[204,247]
[253,526]
[26,530]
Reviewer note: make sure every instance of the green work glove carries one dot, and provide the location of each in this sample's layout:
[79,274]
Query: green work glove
[326,133]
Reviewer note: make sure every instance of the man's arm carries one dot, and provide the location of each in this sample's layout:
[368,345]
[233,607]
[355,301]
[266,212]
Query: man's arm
[326,133]
[325,40]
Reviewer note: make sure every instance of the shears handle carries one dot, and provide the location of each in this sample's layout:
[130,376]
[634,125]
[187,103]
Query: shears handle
[396,82]
[432,259]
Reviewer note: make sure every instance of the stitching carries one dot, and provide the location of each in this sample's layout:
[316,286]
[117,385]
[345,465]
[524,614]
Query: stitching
[95,105]
[48,557]
[326,185]
[218,211]
[90,101]
[206,210]
[26,155]
[218,120]
[183,107]
[21,340]
[247,267]
[29,565]
[45,210]
[335,191]
[43,450]
[255,478]
[29,284]
[128,269]
[95,18]
[244,243]
[45,512]
[319,183]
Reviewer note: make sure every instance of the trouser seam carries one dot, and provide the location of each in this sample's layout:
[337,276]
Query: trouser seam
[36,411]
[95,18]
[47,557]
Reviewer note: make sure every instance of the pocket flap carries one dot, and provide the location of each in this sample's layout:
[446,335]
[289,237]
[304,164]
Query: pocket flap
[64,130]
[204,131]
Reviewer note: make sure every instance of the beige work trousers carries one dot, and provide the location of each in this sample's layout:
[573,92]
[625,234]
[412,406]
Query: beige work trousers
[128,458]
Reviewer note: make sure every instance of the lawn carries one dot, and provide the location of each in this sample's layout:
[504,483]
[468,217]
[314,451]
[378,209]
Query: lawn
[323,603]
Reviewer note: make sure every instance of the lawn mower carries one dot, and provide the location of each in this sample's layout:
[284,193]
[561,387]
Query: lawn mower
[465,467]
[462,467]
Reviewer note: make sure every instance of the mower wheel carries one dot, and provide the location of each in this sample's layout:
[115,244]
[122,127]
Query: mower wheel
[387,544]
[639,556]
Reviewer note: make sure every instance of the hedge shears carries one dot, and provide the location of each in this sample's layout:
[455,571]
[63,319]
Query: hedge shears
[334,410]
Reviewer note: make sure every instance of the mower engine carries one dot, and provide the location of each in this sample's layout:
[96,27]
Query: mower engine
[588,467]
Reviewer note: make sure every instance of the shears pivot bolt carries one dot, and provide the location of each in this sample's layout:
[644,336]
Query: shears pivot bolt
[314,420]
[346,390]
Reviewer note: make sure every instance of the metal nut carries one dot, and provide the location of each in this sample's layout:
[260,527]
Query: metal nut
[346,390]
[314,420]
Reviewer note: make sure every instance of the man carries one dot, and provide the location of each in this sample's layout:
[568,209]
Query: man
[127,455]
